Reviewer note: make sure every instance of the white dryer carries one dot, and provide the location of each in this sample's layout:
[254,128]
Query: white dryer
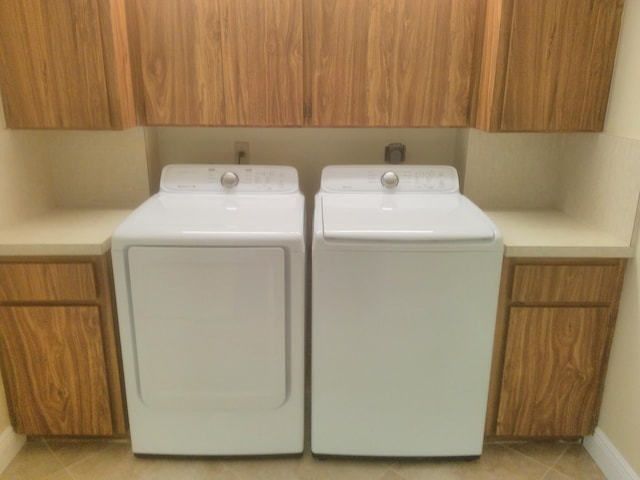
[209,279]
[405,276]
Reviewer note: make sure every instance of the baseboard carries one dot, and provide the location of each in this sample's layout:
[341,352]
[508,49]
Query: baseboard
[10,445]
[608,458]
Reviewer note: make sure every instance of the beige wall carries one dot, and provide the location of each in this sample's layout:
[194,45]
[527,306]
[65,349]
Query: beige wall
[620,415]
[25,186]
[600,181]
[98,169]
[513,170]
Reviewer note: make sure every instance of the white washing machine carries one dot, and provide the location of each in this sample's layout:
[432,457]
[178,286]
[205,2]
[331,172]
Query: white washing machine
[405,276]
[209,280]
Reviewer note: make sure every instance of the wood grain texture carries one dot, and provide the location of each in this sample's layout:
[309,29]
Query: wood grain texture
[554,329]
[181,61]
[499,347]
[54,282]
[111,344]
[548,64]
[42,282]
[565,283]
[40,346]
[390,63]
[221,62]
[53,65]
[553,366]
[262,55]
[117,63]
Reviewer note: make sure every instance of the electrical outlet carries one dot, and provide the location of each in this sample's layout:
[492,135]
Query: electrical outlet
[395,153]
[241,150]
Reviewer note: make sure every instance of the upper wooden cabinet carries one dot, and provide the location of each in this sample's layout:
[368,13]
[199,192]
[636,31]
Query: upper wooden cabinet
[390,63]
[220,62]
[498,65]
[547,64]
[65,64]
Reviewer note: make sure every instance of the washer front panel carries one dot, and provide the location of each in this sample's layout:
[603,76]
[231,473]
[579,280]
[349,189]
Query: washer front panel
[209,327]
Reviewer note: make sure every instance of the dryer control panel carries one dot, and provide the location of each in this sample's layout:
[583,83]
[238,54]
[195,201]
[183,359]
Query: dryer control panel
[391,178]
[229,179]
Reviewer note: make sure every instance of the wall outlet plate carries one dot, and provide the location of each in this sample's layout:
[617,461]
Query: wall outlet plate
[395,153]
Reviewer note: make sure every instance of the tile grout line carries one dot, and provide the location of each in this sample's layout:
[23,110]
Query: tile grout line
[552,467]
[89,455]
[57,457]
[538,461]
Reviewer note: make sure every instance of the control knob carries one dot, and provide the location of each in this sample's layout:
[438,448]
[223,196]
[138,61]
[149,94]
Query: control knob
[389,180]
[229,180]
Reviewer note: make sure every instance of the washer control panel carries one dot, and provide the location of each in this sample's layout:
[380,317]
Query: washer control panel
[390,178]
[229,178]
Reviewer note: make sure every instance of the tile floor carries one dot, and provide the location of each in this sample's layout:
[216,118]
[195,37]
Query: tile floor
[103,459]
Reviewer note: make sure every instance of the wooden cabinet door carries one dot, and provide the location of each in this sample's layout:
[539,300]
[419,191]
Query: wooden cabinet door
[65,64]
[54,370]
[221,62]
[390,63]
[553,371]
[547,64]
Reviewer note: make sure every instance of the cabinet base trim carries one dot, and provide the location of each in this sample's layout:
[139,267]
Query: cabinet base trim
[608,458]
[10,445]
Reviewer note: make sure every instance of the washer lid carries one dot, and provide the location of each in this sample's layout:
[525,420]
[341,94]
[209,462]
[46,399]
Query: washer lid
[426,217]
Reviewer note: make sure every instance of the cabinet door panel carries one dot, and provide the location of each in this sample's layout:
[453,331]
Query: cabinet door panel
[262,61]
[221,62]
[53,64]
[565,283]
[547,65]
[391,63]
[559,64]
[552,371]
[39,282]
[53,367]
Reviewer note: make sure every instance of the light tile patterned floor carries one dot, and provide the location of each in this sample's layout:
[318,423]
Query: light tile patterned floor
[103,459]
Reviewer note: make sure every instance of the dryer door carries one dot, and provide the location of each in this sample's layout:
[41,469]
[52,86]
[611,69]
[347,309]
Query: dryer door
[209,326]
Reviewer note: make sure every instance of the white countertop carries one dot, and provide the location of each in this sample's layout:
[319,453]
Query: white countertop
[62,232]
[551,233]
[527,233]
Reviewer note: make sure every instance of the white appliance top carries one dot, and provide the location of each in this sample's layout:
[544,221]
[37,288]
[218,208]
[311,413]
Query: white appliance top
[194,208]
[399,203]
[229,179]
[389,178]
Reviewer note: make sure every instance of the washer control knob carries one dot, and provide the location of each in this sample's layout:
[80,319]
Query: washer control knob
[389,180]
[229,180]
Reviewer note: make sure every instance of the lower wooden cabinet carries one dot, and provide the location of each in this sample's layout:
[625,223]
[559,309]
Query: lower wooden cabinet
[553,334]
[59,348]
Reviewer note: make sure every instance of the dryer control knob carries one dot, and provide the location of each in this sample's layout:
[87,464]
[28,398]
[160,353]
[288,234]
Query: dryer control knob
[389,180]
[229,180]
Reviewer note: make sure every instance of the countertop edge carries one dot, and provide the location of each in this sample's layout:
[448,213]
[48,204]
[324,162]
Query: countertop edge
[552,233]
[62,232]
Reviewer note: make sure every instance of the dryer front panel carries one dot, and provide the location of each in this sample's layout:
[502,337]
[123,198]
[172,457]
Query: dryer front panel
[209,326]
